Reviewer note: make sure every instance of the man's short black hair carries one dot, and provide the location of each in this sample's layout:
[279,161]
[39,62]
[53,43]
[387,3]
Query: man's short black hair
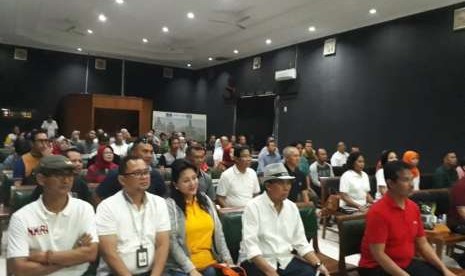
[171,140]
[72,149]
[445,153]
[123,165]
[35,132]
[238,149]
[392,169]
[190,149]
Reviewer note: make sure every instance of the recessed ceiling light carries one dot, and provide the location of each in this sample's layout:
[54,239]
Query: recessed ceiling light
[268,41]
[189,65]
[145,40]
[119,1]
[102,17]
[311,28]
[79,49]
[165,29]
[236,52]
[89,31]
[372,11]
[210,58]
[190,15]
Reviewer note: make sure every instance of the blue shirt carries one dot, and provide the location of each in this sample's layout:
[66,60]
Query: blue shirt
[265,159]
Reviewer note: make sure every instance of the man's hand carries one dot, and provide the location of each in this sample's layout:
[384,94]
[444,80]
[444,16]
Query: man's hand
[323,270]
[84,240]
[38,257]
[194,272]
[47,151]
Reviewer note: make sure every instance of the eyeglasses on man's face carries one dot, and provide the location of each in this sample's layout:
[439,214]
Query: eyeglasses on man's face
[138,174]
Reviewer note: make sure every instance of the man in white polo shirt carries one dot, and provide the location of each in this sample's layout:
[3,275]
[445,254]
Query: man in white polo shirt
[238,184]
[133,225]
[56,234]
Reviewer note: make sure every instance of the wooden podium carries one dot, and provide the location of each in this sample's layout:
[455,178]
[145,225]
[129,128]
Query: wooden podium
[85,112]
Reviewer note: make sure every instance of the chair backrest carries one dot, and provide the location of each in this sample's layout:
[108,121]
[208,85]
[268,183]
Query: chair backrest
[373,185]
[351,230]
[21,196]
[329,185]
[439,196]
[426,181]
[338,171]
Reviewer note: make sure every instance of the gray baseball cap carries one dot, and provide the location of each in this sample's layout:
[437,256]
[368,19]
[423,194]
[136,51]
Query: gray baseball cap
[276,171]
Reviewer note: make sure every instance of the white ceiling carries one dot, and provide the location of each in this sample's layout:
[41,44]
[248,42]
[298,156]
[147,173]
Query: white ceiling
[42,24]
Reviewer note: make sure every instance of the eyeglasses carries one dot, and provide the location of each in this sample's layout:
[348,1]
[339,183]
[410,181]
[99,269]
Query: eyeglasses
[138,174]
[245,158]
[44,141]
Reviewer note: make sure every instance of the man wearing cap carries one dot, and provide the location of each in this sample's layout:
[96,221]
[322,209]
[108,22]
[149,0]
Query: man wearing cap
[56,234]
[140,149]
[133,225]
[272,228]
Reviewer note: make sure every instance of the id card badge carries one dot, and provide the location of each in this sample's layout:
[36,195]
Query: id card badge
[142,256]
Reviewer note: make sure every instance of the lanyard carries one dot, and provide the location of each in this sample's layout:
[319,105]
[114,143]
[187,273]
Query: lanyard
[131,211]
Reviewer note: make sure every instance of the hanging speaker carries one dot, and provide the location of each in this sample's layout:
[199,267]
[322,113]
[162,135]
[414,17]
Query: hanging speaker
[100,64]
[20,54]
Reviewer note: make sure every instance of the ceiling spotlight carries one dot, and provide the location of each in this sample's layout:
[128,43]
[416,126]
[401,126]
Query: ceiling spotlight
[236,52]
[89,31]
[210,59]
[102,17]
[79,49]
[145,40]
[189,65]
[119,1]
[165,29]
[311,28]
[372,11]
[268,41]
[190,15]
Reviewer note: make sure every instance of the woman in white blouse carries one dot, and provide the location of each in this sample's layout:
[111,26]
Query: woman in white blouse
[386,156]
[354,185]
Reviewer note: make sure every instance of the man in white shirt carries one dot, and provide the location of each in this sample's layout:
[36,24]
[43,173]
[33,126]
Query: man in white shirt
[238,184]
[272,228]
[133,225]
[50,126]
[339,158]
[56,234]
[119,146]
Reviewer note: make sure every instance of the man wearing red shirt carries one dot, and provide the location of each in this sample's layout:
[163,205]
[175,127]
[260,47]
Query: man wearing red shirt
[394,229]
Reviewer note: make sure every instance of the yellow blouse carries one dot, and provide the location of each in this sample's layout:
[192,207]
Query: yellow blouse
[199,235]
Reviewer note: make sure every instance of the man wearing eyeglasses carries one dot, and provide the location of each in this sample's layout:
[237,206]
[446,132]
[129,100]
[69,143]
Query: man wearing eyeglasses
[22,171]
[141,149]
[133,225]
[56,234]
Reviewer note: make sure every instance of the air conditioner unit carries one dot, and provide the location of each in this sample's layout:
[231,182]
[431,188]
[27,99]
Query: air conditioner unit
[289,74]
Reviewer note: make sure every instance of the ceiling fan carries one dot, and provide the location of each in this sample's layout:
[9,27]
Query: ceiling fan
[237,23]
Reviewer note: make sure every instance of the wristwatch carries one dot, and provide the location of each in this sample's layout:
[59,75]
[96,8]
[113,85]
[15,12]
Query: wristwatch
[318,264]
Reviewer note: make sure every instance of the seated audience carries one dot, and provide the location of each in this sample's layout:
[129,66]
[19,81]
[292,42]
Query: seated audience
[80,189]
[56,234]
[10,139]
[354,148]
[197,241]
[218,152]
[133,225]
[21,146]
[307,157]
[196,156]
[386,156]
[446,175]
[97,172]
[354,185]
[413,158]
[89,146]
[22,171]
[60,145]
[164,147]
[320,168]
[211,143]
[75,139]
[174,153]
[272,228]
[238,184]
[270,156]
[241,140]
[461,168]
[265,149]
[299,193]
[182,144]
[141,149]
[394,232]
[339,158]
[120,147]
[228,159]
[126,136]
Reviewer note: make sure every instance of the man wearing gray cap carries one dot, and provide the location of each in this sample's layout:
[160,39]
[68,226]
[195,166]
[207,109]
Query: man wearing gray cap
[272,228]
[56,234]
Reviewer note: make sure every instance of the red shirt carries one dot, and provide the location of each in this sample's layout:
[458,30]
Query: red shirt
[397,228]
[457,194]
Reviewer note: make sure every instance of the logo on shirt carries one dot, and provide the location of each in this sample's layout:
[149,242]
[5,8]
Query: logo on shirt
[415,222]
[38,230]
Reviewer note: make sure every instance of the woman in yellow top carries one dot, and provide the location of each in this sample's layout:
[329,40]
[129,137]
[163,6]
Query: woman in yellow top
[197,240]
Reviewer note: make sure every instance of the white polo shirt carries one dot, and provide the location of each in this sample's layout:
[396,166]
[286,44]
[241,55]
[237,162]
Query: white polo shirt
[339,159]
[238,187]
[114,218]
[355,185]
[270,234]
[120,150]
[33,227]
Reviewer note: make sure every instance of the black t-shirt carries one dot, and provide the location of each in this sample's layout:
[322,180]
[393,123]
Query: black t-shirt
[299,184]
[111,185]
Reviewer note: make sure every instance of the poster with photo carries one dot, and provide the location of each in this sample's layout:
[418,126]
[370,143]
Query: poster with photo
[194,125]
